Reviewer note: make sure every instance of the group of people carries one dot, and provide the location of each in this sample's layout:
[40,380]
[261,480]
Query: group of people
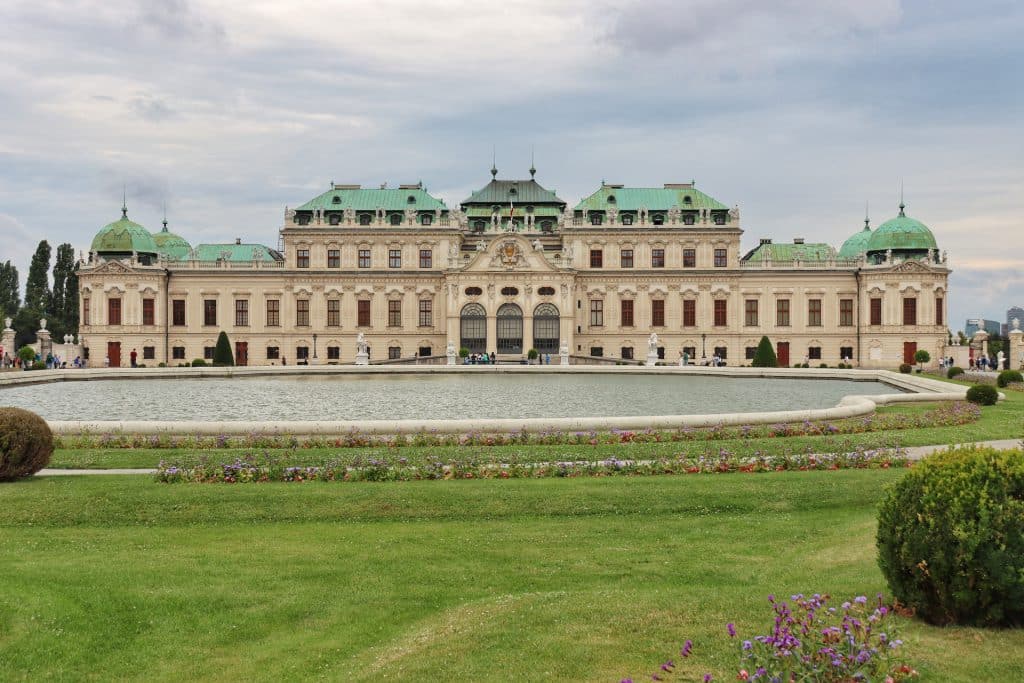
[983,364]
[52,362]
[481,358]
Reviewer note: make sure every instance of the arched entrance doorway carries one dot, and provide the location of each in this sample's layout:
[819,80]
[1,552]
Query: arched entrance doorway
[473,328]
[510,329]
[545,328]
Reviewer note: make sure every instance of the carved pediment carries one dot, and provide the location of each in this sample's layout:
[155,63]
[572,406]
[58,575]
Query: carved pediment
[510,253]
[111,268]
[912,267]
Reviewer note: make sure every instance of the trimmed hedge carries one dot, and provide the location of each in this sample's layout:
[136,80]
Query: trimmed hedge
[1007,377]
[764,356]
[26,443]
[222,355]
[906,368]
[983,394]
[953,372]
[951,538]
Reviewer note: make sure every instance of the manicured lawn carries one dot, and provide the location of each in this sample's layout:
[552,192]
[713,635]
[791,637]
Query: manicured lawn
[1002,421]
[582,579]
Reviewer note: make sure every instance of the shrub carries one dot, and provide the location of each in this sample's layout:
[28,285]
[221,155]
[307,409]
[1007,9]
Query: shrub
[26,443]
[532,354]
[463,352]
[39,365]
[765,356]
[951,538]
[823,365]
[922,356]
[222,355]
[1008,377]
[27,354]
[953,372]
[983,395]
[905,368]
[198,363]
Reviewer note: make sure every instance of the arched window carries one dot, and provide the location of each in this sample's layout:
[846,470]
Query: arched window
[474,291]
[546,328]
[611,199]
[509,291]
[687,200]
[336,200]
[410,199]
[473,328]
[546,291]
[510,329]
[396,219]
[658,219]
[513,191]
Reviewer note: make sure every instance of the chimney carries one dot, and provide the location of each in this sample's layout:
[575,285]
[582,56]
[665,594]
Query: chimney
[238,240]
[766,240]
[798,240]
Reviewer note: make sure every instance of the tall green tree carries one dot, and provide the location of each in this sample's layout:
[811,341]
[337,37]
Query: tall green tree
[37,287]
[222,352]
[69,316]
[10,289]
[765,357]
[63,267]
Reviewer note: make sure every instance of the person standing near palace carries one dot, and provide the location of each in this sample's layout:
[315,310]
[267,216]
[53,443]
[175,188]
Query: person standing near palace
[134,357]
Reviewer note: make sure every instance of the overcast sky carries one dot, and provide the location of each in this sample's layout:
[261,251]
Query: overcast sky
[799,111]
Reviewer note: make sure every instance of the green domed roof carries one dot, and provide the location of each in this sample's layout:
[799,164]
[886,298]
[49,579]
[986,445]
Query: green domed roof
[857,244]
[123,237]
[174,247]
[902,233]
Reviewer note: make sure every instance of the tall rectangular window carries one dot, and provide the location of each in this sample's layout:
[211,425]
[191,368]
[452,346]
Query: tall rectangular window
[689,258]
[596,258]
[596,312]
[148,312]
[113,311]
[395,313]
[273,352]
[876,311]
[178,312]
[241,312]
[626,258]
[334,258]
[426,258]
[939,317]
[658,313]
[394,352]
[302,312]
[782,313]
[302,258]
[814,312]
[721,260]
[394,258]
[334,313]
[909,310]
[363,313]
[210,312]
[426,313]
[85,311]
[626,317]
[657,258]
[273,312]
[364,258]
[750,312]
[721,312]
[689,313]
[846,312]
[178,352]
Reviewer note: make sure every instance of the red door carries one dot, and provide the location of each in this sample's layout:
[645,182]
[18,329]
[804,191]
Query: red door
[114,354]
[909,349]
[783,354]
[241,353]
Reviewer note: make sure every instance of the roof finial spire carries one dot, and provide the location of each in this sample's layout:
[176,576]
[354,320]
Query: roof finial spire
[165,216]
[867,220]
[494,162]
[124,201]
[902,205]
[533,169]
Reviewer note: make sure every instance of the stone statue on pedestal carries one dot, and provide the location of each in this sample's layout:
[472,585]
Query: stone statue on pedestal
[362,355]
[450,352]
[563,353]
[652,349]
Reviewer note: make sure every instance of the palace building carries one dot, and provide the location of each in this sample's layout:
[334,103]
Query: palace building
[513,268]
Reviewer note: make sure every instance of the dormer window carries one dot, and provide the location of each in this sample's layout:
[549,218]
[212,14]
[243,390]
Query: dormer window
[303,220]
[335,219]
[364,219]
[426,219]
[396,219]
[611,199]
[658,219]
[626,219]
[479,226]
[720,219]
[410,199]
[688,219]
[512,191]
[687,200]
[336,200]
[595,219]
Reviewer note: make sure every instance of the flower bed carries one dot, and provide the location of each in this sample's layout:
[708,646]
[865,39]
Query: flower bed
[260,468]
[946,415]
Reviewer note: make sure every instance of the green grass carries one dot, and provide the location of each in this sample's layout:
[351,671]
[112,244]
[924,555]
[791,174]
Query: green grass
[1002,421]
[122,578]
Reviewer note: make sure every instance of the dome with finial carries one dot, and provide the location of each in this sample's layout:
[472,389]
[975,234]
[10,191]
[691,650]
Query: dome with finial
[857,244]
[122,238]
[904,235]
[171,245]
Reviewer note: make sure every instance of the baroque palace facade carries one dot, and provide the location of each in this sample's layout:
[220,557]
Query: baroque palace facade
[514,267]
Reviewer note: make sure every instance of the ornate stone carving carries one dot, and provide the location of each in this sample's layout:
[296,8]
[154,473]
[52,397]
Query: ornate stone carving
[509,255]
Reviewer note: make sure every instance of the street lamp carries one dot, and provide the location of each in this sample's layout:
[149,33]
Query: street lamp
[703,348]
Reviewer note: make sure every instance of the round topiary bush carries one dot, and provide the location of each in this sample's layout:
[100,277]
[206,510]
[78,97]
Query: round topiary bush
[26,443]
[953,372]
[951,538]
[905,368]
[1008,377]
[198,363]
[983,394]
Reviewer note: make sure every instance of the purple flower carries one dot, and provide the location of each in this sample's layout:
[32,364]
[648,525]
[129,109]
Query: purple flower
[731,628]
[860,600]
[687,647]
[707,678]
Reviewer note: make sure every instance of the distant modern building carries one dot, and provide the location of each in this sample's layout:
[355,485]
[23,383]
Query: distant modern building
[972,325]
[513,268]
[1014,312]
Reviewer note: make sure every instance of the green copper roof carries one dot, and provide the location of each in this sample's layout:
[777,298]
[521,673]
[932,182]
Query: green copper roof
[517,192]
[857,244]
[814,251]
[651,198]
[901,233]
[342,197]
[235,252]
[520,211]
[123,237]
[173,246]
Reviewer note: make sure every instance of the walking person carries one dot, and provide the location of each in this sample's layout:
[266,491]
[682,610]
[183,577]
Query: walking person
[134,357]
